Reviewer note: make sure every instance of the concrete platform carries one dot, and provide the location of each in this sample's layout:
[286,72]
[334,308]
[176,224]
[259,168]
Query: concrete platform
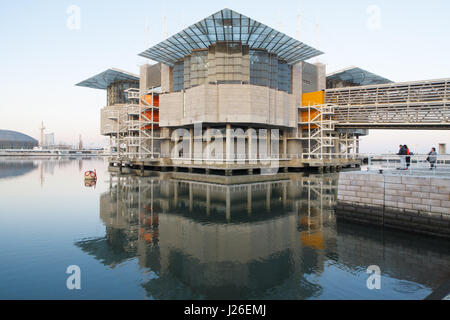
[419,204]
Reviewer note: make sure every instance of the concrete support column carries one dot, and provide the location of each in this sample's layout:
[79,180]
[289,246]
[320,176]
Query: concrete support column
[228,145]
[249,145]
[176,151]
[285,133]
[208,143]
[191,144]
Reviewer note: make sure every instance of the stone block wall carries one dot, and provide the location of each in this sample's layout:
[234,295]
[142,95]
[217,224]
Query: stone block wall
[414,203]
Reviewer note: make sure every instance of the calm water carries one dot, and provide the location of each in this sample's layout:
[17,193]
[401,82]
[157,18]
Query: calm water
[167,237]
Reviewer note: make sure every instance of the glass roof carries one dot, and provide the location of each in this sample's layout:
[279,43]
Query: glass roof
[357,76]
[104,79]
[228,25]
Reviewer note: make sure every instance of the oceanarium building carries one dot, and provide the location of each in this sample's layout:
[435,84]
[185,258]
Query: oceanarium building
[230,79]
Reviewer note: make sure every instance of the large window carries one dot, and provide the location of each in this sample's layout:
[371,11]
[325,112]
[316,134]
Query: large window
[229,63]
[284,77]
[259,68]
[178,76]
[199,67]
[232,62]
[116,92]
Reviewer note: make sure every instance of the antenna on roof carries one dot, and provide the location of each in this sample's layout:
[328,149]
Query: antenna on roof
[147,33]
[280,23]
[317,35]
[164,27]
[299,20]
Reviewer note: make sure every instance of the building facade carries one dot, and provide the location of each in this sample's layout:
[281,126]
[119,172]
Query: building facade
[16,140]
[226,89]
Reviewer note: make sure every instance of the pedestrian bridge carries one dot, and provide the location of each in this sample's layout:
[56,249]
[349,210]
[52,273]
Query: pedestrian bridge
[407,105]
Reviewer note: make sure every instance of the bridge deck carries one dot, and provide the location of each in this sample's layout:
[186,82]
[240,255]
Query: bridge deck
[407,105]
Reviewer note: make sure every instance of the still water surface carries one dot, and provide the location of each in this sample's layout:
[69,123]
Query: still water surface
[167,237]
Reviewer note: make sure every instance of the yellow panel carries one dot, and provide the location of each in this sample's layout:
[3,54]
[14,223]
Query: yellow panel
[313,98]
[310,99]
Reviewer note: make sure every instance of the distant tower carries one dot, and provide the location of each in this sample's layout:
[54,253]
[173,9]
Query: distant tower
[80,144]
[42,128]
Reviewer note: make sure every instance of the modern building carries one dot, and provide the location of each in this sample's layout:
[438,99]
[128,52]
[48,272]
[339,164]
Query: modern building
[16,140]
[49,140]
[231,92]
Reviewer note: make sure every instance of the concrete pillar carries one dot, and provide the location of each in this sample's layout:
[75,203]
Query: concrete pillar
[321,76]
[285,133]
[251,146]
[228,144]
[191,143]
[176,151]
[166,78]
[208,143]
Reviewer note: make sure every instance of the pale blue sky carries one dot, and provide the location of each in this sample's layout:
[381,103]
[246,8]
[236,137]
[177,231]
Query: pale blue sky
[41,59]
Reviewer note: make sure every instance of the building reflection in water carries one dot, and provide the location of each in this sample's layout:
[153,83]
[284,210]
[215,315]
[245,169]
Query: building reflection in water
[246,241]
[15,168]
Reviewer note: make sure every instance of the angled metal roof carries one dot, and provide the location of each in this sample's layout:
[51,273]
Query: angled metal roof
[104,79]
[14,136]
[357,76]
[228,25]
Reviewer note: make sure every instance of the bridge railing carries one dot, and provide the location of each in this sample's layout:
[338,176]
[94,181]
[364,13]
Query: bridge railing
[413,164]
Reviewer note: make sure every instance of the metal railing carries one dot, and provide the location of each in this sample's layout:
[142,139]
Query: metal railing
[413,164]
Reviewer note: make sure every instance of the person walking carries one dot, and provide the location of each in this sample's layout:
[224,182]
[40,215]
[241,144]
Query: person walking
[432,158]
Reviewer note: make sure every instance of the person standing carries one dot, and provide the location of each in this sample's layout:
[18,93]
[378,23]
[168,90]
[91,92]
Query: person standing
[432,158]
[402,154]
[408,158]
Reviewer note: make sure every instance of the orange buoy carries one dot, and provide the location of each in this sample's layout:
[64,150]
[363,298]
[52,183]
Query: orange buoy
[90,175]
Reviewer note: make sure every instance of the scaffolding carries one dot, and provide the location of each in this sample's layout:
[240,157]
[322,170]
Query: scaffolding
[117,133]
[318,131]
[141,132]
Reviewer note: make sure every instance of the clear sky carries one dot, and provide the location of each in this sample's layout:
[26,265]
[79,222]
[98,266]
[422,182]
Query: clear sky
[42,58]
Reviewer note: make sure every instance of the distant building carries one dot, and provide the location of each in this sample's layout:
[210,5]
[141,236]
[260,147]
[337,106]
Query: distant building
[16,140]
[49,140]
